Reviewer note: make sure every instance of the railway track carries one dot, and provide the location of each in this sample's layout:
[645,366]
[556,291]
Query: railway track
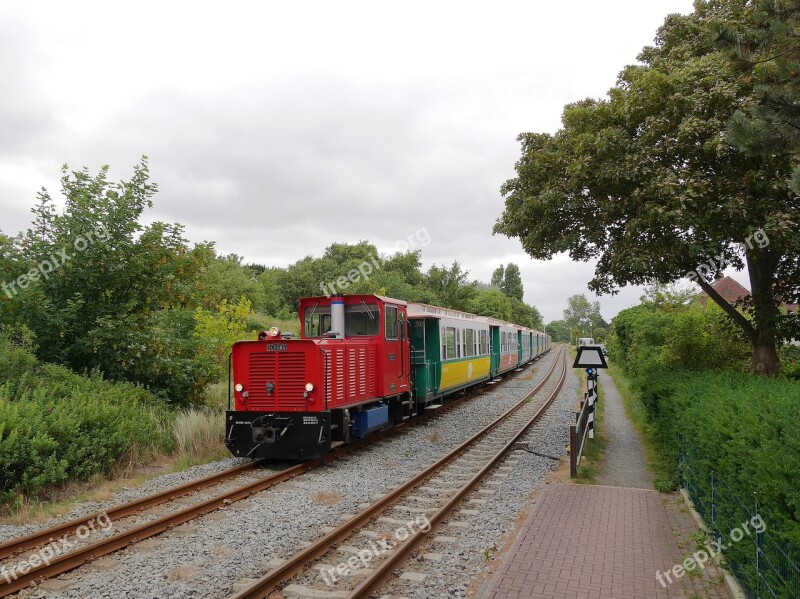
[13,580]
[334,566]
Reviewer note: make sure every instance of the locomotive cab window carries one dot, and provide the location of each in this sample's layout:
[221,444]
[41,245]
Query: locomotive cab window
[391,323]
[359,320]
[317,321]
[362,320]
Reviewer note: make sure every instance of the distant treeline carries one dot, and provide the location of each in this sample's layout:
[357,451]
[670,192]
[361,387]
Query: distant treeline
[91,288]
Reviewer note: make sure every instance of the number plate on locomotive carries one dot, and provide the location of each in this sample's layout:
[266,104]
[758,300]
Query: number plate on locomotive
[276,347]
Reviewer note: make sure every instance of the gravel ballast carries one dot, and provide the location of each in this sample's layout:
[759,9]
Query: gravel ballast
[205,558]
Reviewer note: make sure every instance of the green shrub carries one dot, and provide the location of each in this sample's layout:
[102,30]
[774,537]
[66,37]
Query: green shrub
[743,429]
[57,426]
[790,362]
[650,343]
[704,337]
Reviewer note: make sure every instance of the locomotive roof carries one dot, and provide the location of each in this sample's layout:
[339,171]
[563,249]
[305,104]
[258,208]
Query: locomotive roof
[384,299]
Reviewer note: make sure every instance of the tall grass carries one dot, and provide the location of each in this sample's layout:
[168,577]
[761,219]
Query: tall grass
[199,432]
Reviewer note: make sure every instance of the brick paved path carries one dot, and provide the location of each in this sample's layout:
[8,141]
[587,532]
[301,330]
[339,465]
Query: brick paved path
[598,542]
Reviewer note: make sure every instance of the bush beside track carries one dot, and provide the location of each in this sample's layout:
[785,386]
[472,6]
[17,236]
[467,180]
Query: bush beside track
[706,419]
[58,426]
[744,429]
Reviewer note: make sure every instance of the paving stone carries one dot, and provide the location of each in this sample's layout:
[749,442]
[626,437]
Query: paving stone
[626,536]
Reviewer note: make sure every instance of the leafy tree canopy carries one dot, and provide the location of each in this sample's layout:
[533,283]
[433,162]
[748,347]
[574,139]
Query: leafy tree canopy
[646,182]
[581,314]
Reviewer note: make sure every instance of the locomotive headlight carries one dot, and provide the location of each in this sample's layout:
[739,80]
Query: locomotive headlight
[274,332]
[309,387]
[239,387]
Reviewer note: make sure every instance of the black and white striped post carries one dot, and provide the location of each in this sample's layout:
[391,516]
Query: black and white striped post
[591,358]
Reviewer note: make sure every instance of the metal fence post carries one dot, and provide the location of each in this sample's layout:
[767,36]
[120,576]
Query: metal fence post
[713,506]
[759,547]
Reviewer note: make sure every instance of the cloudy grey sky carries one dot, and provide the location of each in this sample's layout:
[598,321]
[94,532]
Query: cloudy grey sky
[276,129]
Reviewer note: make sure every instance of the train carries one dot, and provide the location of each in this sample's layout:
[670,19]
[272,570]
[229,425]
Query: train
[362,363]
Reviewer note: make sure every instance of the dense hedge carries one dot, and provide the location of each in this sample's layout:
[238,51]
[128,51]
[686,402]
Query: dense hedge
[744,429]
[57,426]
[711,420]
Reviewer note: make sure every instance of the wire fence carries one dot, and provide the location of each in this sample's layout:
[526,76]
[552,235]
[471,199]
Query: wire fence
[752,551]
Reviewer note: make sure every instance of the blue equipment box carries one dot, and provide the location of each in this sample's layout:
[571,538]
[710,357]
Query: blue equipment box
[370,420]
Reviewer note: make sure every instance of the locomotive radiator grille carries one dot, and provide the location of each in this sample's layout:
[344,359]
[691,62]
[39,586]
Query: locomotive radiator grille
[287,371]
[352,374]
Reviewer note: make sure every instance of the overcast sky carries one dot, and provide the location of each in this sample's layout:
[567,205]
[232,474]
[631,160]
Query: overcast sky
[275,129]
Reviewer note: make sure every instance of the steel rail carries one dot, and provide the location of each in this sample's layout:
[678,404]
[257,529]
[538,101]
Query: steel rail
[384,570]
[78,557]
[269,582]
[34,540]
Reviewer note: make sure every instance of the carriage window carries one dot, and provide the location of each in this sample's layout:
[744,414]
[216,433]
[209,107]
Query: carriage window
[469,336]
[484,344]
[444,344]
[458,343]
[391,323]
[451,343]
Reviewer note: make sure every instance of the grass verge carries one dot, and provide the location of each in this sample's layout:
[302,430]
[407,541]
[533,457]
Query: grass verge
[636,411]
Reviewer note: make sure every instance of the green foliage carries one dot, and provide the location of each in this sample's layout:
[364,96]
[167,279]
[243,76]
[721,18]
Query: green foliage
[451,286]
[740,428]
[112,284]
[626,180]
[649,342]
[702,337]
[559,331]
[56,426]
[218,331]
[491,303]
[790,358]
[764,45]
[227,279]
[497,277]
[158,351]
[582,314]
[509,281]
[528,316]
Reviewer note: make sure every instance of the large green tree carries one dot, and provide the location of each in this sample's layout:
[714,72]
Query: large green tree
[102,291]
[559,331]
[766,43]
[646,182]
[581,314]
[512,282]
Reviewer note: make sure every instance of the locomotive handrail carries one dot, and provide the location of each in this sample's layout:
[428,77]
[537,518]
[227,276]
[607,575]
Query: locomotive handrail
[230,368]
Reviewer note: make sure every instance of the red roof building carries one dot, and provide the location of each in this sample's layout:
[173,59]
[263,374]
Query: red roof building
[730,290]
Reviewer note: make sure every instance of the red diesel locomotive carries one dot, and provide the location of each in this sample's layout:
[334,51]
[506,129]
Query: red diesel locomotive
[362,363]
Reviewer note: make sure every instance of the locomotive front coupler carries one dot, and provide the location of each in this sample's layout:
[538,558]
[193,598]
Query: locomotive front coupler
[269,427]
